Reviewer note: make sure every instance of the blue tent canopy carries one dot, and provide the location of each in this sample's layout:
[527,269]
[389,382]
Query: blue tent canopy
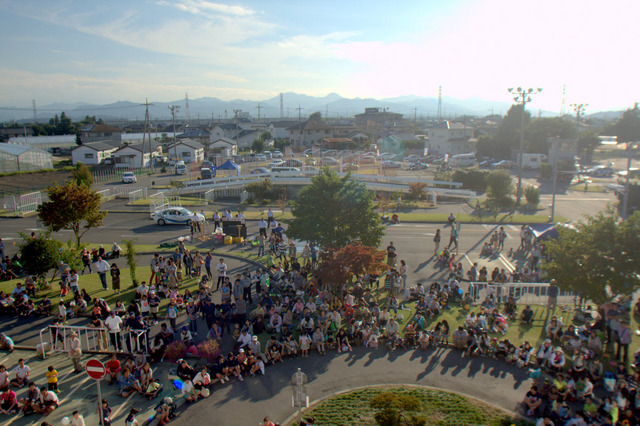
[229,165]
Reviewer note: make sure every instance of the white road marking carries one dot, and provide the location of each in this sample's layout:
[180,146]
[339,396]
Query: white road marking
[467,257]
[124,404]
[506,263]
[513,228]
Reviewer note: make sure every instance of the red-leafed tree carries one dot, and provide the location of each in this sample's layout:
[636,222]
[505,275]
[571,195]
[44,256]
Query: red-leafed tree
[338,266]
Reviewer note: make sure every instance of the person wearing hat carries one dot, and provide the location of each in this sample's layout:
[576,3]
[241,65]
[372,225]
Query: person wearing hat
[75,351]
[254,345]
[544,353]
[557,360]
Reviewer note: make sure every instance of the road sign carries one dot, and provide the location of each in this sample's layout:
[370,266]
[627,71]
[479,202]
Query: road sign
[95,369]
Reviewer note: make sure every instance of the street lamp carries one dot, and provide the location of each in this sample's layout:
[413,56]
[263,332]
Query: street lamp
[522,96]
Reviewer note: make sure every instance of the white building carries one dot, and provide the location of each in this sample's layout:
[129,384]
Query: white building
[223,146]
[92,153]
[130,156]
[452,138]
[187,150]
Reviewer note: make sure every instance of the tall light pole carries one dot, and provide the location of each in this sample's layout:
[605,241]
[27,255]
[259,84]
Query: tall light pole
[522,96]
[173,109]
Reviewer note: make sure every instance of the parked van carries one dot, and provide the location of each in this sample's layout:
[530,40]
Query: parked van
[285,169]
[181,168]
[293,162]
[463,160]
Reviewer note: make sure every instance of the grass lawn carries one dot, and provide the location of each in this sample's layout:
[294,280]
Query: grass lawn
[439,408]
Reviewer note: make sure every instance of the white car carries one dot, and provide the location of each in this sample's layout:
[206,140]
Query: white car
[129,177]
[175,216]
[277,154]
[276,163]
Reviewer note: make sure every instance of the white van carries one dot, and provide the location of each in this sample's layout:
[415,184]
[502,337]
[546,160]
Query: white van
[181,168]
[533,161]
[293,162]
[463,160]
[285,169]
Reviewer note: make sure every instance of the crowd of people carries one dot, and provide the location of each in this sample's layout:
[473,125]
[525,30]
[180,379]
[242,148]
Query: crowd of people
[285,311]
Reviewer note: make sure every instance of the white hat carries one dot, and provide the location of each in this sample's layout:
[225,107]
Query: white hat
[168,400]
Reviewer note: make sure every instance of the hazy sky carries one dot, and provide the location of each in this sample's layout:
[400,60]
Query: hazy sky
[111,50]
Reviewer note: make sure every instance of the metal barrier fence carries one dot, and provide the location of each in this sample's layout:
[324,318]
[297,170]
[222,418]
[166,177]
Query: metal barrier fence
[139,194]
[92,340]
[124,191]
[115,175]
[20,205]
[161,200]
[224,192]
[523,293]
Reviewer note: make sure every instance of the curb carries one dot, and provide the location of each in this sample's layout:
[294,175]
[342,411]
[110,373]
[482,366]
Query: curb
[289,421]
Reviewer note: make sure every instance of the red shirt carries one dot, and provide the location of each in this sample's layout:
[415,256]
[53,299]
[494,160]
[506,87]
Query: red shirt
[9,397]
[113,366]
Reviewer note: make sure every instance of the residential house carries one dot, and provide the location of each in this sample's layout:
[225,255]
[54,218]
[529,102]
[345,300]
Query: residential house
[92,153]
[100,133]
[131,156]
[200,135]
[395,142]
[450,137]
[377,116]
[338,143]
[224,146]
[309,133]
[187,150]
[8,133]
[280,129]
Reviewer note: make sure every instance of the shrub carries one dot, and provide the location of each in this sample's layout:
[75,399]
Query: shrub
[132,262]
[474,179]
[209,350]
[260,190]
[545,170]
[499,185]
[416,191]
[532,194]
[175,351]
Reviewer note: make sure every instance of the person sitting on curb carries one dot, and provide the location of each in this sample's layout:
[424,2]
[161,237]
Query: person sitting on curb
[460,338]
[47,402]
[127,384]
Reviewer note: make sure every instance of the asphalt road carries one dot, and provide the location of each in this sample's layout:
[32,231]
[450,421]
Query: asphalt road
[246,403]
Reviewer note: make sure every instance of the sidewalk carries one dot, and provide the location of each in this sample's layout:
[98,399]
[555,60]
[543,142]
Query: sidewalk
[79,392]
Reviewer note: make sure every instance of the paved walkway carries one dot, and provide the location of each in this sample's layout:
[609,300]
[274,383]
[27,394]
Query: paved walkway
[246,403]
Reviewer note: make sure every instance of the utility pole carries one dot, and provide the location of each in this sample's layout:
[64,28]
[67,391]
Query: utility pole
[281,106]
[35,115]
[235,113]
[299,124]
[173,109]
[440,115]
[147,127]
[415,114]
[188,117]
[625,200]
[522,96]
[259,108]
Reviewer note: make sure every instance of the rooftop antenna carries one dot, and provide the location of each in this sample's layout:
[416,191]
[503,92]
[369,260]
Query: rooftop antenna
[439,116]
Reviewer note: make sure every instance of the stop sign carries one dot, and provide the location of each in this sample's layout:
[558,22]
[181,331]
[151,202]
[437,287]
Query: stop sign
[95,369]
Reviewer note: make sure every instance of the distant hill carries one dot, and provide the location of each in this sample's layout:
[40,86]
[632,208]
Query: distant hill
[208,108]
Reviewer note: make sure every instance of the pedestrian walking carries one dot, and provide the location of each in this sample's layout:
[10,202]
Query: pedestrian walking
[436,241]
[403,273]
[453,238]
[502,235]
[115,278]
[102,267]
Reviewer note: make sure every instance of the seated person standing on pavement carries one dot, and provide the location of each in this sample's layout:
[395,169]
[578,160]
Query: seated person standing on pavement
[6,343]
[8,401]
[22,374]
[185,371]
[527,315]
[393,330]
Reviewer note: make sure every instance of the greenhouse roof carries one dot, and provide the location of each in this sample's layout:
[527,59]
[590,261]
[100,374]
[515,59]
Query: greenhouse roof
[17,150]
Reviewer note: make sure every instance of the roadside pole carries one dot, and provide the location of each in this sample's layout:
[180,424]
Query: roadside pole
[96,370]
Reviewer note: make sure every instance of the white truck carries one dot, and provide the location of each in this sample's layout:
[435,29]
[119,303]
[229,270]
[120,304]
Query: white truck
[533,161]
[463,160]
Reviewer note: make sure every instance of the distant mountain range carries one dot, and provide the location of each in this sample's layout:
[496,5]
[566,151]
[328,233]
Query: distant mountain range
[213,108]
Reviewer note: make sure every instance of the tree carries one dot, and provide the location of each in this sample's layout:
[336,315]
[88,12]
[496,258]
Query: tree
[335,212]
[627,128]
[40,254]
[82,175]
[280,144]
[260,190]
[78,138]
[532,195]
[316,116]
[72,206]
[588,141]
[539,132]
[598,258]
[257,145]
[338,266]
[634,196]
[499,185]
[416,190]
[131,261]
